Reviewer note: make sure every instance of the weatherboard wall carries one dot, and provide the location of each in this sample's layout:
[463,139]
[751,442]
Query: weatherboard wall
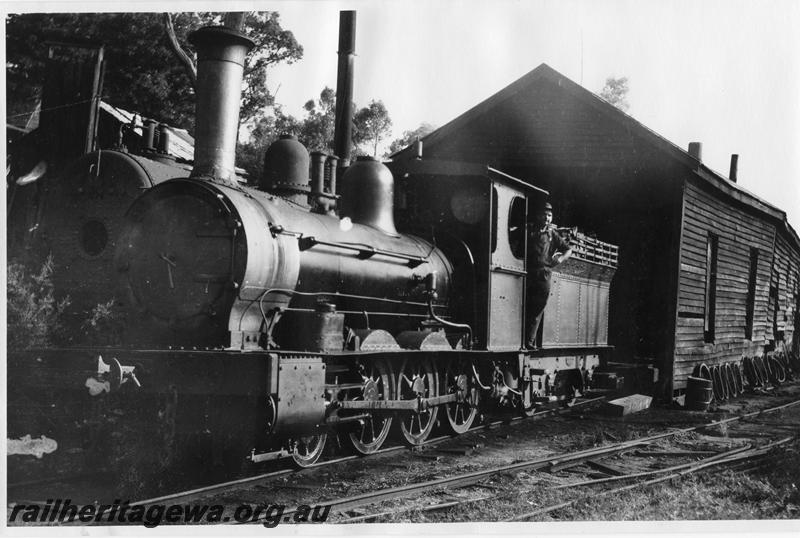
[786,280]
[737,230]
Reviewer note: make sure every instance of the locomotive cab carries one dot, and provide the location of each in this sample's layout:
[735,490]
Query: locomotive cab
[477,215]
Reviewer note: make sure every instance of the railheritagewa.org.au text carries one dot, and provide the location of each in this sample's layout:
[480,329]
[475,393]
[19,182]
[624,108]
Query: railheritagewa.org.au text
[59,511]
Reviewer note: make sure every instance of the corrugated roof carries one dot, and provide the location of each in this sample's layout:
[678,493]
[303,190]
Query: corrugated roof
[181,145]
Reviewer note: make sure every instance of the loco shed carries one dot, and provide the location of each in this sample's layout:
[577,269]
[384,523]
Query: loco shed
[708,272]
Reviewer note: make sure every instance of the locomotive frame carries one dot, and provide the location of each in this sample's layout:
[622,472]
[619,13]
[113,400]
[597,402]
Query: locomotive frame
[297,397]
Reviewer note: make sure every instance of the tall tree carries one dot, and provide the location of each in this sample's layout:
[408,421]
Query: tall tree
[273,45]
[317,129]
[410,136]
[142,73]
[616,92]
[371,124]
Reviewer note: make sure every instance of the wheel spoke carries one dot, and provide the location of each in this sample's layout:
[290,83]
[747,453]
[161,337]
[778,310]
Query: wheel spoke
[417,378]
[369,434]
[460,380]
[307,450]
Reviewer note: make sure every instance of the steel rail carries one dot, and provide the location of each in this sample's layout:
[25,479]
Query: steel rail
[467,479]
[697,467]
[753,450]
[223,487]
[720,456]
[430,508]
[472,478]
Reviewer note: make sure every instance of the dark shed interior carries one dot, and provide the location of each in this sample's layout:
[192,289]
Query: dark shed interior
[606,174]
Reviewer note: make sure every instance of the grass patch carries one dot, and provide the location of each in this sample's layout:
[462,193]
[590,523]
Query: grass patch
[770,492]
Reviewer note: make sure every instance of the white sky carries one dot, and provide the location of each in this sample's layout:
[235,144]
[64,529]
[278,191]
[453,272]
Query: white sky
[722,72]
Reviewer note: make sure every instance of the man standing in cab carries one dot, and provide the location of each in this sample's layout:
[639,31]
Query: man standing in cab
[546,250]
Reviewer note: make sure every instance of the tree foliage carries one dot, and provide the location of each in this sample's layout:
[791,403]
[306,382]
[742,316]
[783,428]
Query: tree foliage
[142,73]
[371,124]
[616,92]
[38,318]
[266,129]
[34,314]
[410,137]
[315,131]
[273,45]
[317,128]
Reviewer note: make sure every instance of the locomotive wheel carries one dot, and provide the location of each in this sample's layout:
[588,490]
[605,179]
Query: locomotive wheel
[727,380]
[737,378]
[458,380]
[307,450]
[750,372]
[417,379]
[783,359]
[370,433]
[716,384]
[763,376]
[776,371]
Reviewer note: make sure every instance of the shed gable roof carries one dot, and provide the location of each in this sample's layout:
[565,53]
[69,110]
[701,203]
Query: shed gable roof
[557,118]
[545,119]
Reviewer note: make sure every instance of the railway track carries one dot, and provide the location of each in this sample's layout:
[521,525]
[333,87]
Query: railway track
[583,474]
[443,488]
[342,508]
[18,490]
[193,494]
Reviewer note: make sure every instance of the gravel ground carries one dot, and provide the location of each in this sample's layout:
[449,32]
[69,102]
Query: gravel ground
[767,492]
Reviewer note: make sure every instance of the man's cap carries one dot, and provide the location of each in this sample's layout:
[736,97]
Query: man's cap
[545,207]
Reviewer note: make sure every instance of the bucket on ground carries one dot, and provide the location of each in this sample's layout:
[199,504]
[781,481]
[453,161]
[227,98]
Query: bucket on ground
[698,393]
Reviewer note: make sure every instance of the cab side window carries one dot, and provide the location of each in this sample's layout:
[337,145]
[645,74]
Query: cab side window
[516,227]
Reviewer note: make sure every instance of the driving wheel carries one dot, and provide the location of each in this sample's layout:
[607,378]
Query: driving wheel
[417,379]
[458,379]
[370,432]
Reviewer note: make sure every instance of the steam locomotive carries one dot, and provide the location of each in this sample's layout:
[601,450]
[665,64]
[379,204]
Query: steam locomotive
[270,318]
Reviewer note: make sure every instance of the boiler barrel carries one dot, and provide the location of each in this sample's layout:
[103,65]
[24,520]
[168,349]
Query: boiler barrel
[204,258]
[362,260]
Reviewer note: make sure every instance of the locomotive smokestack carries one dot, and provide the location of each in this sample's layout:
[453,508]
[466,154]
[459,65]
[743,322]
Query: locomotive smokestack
[342,138]
[220,64]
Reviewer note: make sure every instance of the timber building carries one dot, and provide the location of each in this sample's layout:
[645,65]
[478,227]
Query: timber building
[708,272]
